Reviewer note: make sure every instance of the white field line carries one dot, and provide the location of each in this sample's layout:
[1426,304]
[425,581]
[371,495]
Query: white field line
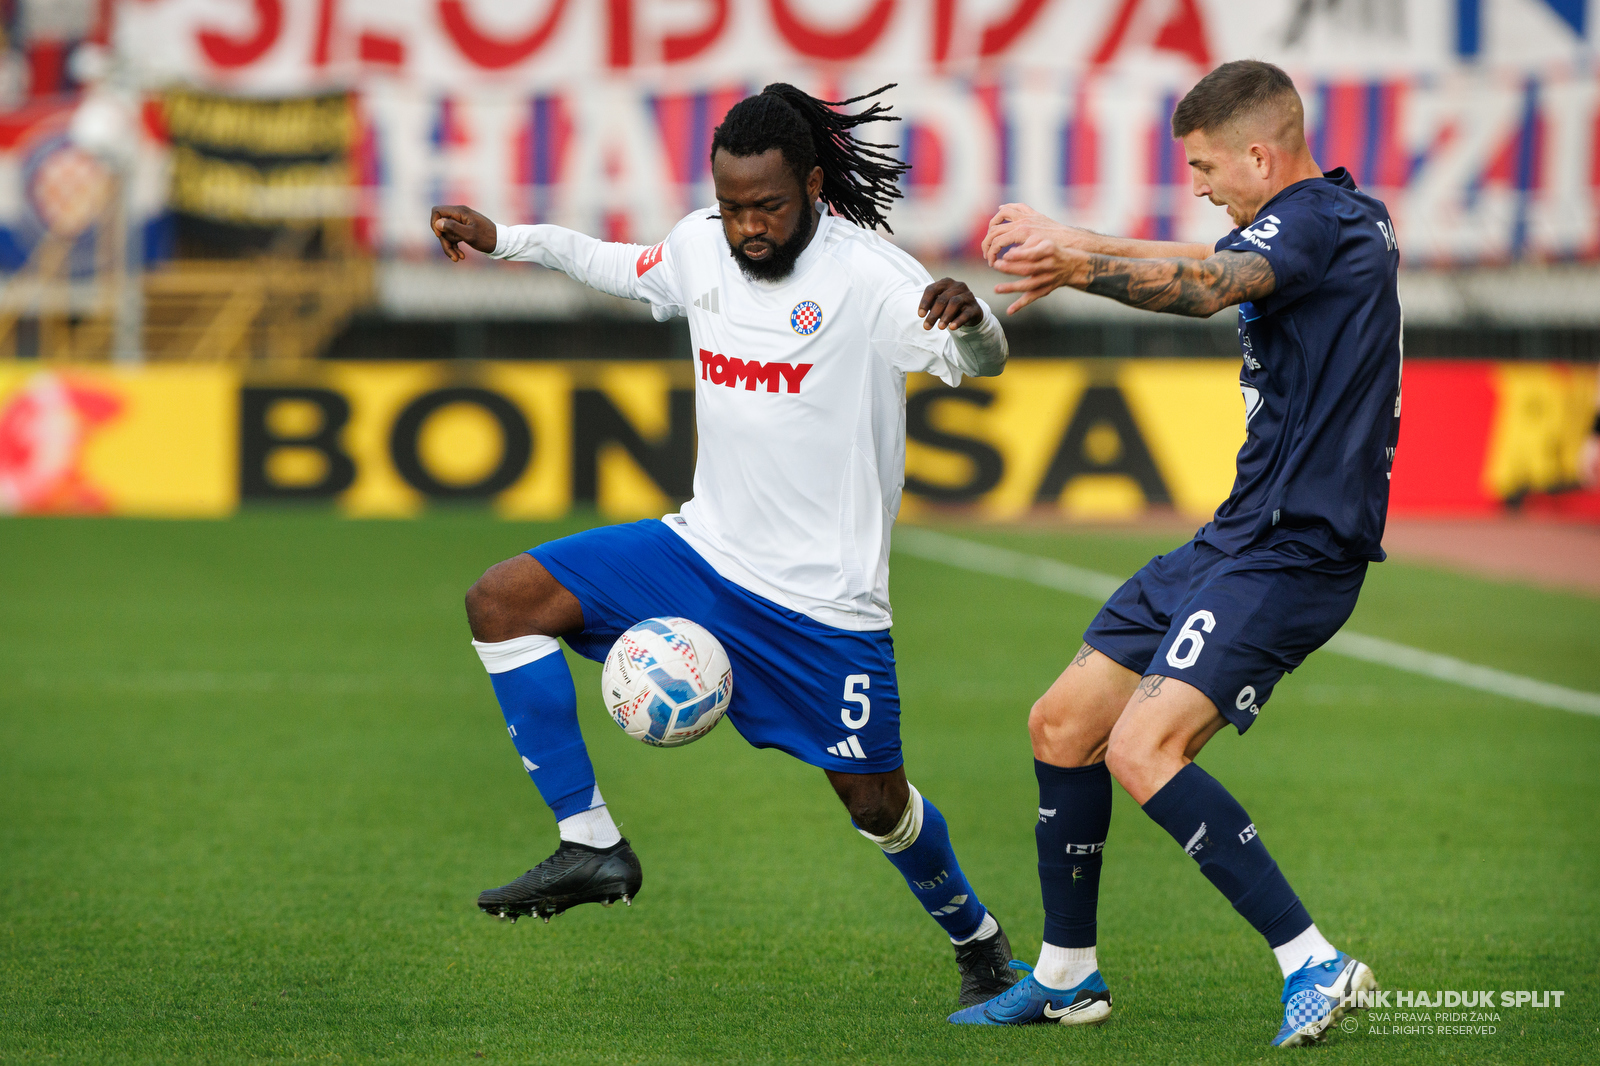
[1063,577]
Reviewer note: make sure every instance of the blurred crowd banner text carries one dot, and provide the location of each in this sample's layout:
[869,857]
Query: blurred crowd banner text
[1478,121]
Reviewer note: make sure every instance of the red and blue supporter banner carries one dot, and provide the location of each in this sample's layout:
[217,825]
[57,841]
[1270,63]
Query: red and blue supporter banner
[1477,121]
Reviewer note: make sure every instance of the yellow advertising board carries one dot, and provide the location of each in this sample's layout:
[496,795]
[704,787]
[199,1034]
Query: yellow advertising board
[1093,438]
[160,441]
[1082,438]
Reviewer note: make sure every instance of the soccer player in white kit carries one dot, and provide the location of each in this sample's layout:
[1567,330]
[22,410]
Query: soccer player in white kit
[803,323]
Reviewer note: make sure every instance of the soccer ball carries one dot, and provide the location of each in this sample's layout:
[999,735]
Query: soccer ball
[667,681]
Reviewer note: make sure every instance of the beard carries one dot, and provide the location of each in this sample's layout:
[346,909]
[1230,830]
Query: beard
[779,263]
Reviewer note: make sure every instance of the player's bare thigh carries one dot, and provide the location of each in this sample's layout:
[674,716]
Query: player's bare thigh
[1070,725]
[519,598]
[1161,729]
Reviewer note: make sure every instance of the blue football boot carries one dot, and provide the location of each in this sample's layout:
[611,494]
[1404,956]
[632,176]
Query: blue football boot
[1317,995]
[1028,1002]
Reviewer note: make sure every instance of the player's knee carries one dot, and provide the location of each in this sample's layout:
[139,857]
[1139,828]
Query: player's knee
[486,604]
[479,605]
[1043,723]
[873,814]
[1127,759]
[872,801]
[1061,738]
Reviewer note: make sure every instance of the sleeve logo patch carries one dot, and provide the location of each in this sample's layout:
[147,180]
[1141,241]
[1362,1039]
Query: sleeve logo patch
[806,318]
[1262,231]
[649,258]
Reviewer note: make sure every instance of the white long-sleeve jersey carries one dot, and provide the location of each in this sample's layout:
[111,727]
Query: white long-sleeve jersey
[799,398]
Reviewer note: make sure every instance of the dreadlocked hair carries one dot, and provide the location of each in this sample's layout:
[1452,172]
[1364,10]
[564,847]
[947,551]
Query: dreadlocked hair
[858,179]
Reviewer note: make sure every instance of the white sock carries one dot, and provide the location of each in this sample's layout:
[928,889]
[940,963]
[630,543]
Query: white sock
[504,655]
[1063,968]
[1309,947]
[593,827]
[988,927]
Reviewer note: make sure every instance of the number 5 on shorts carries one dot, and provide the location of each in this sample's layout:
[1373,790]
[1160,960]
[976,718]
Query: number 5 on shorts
[853,695]
[1187,648]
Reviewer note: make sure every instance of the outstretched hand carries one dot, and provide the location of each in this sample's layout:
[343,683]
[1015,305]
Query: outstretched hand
[1012,224]
[1016,224]
[1043,265]
[949,304]
[458,224]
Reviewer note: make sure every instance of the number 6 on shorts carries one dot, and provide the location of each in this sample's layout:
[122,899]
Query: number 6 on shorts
[1187,648]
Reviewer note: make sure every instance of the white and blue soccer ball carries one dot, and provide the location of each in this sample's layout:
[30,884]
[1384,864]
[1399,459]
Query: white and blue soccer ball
[667,681]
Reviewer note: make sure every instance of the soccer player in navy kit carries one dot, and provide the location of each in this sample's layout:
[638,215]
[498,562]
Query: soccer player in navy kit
[1197,639]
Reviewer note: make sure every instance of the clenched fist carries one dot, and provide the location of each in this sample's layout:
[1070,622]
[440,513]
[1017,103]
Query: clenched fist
[458,224]
[949,304]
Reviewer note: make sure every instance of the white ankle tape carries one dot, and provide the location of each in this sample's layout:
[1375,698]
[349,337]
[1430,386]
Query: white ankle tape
[986,928]
[593,827]
[504,655]
[906,831]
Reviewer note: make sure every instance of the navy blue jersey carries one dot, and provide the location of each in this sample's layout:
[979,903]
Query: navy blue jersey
[1321,375]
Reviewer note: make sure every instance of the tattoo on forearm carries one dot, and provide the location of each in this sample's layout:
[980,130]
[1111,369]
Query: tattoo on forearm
[1150,687]
[1198,287]
[1082,656]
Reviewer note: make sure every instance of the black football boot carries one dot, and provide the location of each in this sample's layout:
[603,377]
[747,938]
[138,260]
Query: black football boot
[985,967]
[576,873]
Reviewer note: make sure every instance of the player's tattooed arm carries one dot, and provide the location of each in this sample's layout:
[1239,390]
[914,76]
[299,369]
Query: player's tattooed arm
[1150,687]
[1180,286]
[1083,655]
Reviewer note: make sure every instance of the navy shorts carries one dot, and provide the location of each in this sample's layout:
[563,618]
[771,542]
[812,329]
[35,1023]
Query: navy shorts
[827,696]
[1231,627]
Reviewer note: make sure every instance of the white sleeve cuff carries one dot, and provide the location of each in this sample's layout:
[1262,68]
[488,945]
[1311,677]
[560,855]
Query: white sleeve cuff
[509,242]
[982,346]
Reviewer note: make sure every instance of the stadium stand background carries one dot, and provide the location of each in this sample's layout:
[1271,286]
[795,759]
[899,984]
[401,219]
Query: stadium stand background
[233,193]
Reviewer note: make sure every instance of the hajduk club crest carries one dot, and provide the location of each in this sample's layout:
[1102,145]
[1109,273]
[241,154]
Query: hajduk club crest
[806,318]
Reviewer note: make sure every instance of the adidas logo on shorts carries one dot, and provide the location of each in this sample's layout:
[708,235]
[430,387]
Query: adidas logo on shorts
[849,748]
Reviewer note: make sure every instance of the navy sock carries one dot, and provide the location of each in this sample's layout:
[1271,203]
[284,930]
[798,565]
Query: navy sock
[1210,825]
[541,710]
[928,863]
[1074,816]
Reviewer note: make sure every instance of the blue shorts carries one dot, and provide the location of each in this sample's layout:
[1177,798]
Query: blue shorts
[827,696]
[1231,627]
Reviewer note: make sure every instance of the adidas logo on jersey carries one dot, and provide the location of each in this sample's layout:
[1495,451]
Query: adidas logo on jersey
[709,302]
[849,748]
[726,370]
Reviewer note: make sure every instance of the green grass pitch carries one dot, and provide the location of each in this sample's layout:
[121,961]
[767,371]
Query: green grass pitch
[252,778]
